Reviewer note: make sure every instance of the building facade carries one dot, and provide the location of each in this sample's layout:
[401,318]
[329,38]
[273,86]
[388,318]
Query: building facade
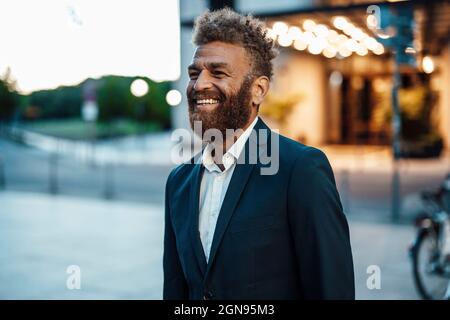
[334,75]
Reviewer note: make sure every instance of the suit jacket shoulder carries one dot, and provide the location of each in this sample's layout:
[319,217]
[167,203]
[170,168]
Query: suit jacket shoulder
[180,176]
[293,153]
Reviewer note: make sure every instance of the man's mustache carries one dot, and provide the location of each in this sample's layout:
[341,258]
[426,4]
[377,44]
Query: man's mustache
[200,95]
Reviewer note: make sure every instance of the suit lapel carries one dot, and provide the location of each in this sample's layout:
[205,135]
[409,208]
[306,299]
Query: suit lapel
[194,215]
[237,184]
[238,181]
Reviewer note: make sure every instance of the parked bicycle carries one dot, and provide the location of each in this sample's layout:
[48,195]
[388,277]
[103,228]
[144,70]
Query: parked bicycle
[430,251]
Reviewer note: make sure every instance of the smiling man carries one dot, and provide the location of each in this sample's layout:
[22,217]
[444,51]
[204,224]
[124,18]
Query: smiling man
[231,231]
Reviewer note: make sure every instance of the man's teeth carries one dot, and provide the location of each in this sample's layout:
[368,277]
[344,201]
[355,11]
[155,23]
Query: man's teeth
[207,101]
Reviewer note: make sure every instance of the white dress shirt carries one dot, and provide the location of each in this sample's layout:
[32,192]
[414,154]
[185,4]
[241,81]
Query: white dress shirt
[214,186]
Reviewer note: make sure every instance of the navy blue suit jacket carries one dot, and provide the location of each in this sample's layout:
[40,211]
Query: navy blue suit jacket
[280,236]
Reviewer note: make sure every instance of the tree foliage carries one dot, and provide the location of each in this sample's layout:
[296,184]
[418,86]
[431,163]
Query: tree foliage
[8,97]
[114,99]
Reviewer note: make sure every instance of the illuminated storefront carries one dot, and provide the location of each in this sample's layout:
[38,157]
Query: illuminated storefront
[333,78]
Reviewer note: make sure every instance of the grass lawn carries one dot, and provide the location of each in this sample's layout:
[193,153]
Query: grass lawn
[78,129]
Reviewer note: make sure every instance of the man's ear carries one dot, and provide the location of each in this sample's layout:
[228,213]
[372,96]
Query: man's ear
[259,89]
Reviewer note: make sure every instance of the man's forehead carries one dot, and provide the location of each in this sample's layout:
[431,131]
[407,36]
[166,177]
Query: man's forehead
[220,52]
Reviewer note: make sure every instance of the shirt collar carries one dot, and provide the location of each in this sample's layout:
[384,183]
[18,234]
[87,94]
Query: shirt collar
[233,153]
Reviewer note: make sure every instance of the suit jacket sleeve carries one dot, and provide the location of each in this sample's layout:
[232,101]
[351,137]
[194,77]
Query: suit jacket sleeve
[175,286]
[320,230]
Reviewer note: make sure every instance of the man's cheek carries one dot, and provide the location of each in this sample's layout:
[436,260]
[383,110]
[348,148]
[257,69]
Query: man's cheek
[189,89]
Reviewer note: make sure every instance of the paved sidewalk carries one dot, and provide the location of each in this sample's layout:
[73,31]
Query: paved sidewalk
[385,246]
[118,246]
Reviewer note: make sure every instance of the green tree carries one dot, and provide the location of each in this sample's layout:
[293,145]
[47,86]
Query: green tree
[116,101]
[156,107]
[114,98]
[62,102]
[8,97]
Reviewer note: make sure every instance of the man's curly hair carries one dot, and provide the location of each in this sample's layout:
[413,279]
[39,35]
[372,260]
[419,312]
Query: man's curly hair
[228,26]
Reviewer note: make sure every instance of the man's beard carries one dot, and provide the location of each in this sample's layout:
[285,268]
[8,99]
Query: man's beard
[232,112]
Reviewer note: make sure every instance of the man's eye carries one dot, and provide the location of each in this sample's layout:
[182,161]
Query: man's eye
[219,73]
[193,75]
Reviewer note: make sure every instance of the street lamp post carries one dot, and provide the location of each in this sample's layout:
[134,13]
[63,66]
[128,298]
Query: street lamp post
[394,27]
[89,113]
[139,88]
[396,143]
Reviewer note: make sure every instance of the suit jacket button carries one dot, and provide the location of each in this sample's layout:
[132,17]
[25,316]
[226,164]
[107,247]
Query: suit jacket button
[208,295]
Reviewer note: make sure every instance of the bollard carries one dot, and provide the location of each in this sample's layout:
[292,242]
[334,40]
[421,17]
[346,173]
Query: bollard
[53,186]
[108,181]
[395,193]
[2,175]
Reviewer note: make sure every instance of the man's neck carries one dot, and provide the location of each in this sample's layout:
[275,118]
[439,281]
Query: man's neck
[229,141]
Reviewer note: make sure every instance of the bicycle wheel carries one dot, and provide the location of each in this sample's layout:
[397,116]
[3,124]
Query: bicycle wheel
[427,277]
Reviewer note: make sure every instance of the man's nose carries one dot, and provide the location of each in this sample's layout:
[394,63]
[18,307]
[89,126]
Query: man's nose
[203,82]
